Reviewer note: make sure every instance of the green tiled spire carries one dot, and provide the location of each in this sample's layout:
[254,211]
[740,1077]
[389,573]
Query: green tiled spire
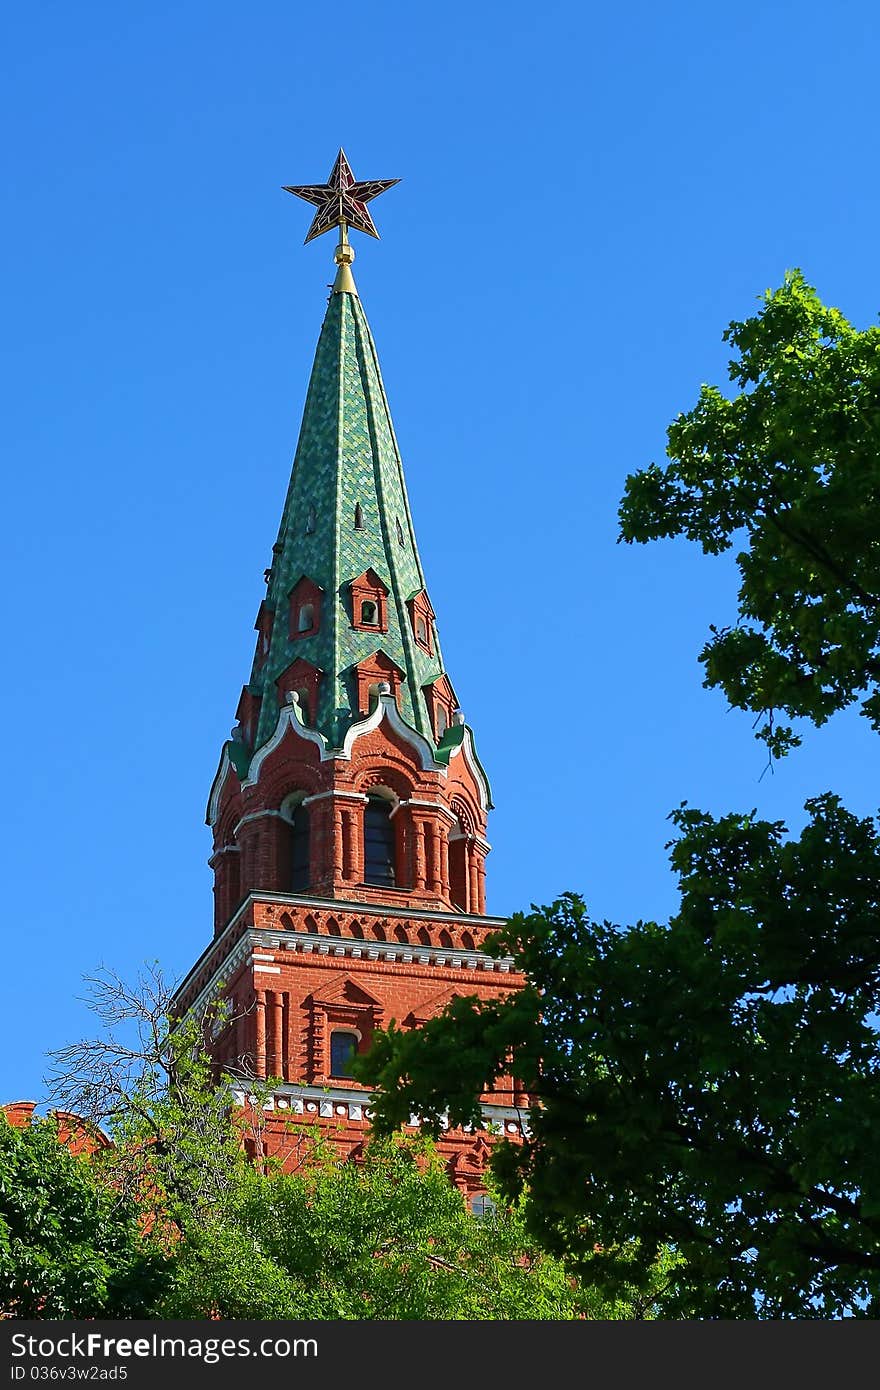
[346,512]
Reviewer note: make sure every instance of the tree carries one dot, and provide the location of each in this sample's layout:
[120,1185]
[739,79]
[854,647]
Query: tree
[70,1247]
[385,1237]
[790,466]
[713,1082]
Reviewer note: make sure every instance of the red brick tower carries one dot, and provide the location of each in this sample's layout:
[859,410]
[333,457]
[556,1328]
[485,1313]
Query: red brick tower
[349,809]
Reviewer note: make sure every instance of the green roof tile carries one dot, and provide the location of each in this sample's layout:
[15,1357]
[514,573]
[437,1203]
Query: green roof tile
[347,456]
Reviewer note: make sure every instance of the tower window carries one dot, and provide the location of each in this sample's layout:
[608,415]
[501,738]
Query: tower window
[310,522]
[369,613]
[399,531]
[378,842]
[422,631]
[299,850]
[343,1047]
[358,517]
[306,619]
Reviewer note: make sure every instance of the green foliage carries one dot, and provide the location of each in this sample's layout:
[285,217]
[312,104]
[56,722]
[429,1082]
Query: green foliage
[791,467]
[387,1238]
[712,1083]
[70,1247]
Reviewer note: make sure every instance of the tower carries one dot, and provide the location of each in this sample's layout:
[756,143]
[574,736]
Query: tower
[349,808]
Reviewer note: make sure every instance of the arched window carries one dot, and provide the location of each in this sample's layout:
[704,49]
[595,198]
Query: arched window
[358,517]
[306,620]
[299,850]
[369,613]
[343,1047]
[378,842]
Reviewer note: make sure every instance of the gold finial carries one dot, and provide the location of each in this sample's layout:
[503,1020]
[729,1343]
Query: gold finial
[344,256]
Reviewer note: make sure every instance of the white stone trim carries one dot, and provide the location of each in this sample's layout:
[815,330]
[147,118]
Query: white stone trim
[332,1102]
[222,773]
[256,815]
[289,717]
[429,805]
[386,708]
[307,943]
[466,748]
[322,796]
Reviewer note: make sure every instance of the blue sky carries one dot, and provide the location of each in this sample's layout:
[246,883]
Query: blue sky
[589,194]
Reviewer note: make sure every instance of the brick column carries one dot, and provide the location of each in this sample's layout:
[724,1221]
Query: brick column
[481,881]
[473,877]
[419,874]
[444,862]
[337,842]
[349,844]
[434,857]
[260,1059]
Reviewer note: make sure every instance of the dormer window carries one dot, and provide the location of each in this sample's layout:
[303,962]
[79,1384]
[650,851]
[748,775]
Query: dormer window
[305,607]
[422,618]
[265,619]
[304,680]
[370,675]
[442,704]
[369,602]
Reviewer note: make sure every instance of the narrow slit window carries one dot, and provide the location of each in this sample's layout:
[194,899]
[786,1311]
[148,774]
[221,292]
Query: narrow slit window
[310,522]
[378,842]
[299,850]
[399,532]
[358,517]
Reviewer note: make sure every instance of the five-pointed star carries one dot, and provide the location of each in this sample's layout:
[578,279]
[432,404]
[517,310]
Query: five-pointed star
[341,199]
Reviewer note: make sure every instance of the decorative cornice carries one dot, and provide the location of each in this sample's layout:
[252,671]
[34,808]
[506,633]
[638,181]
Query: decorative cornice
[289,717]
[332,1102]
[307,943]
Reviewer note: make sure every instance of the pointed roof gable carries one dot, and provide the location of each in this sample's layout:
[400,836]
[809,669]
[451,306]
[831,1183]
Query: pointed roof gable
[347,992]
